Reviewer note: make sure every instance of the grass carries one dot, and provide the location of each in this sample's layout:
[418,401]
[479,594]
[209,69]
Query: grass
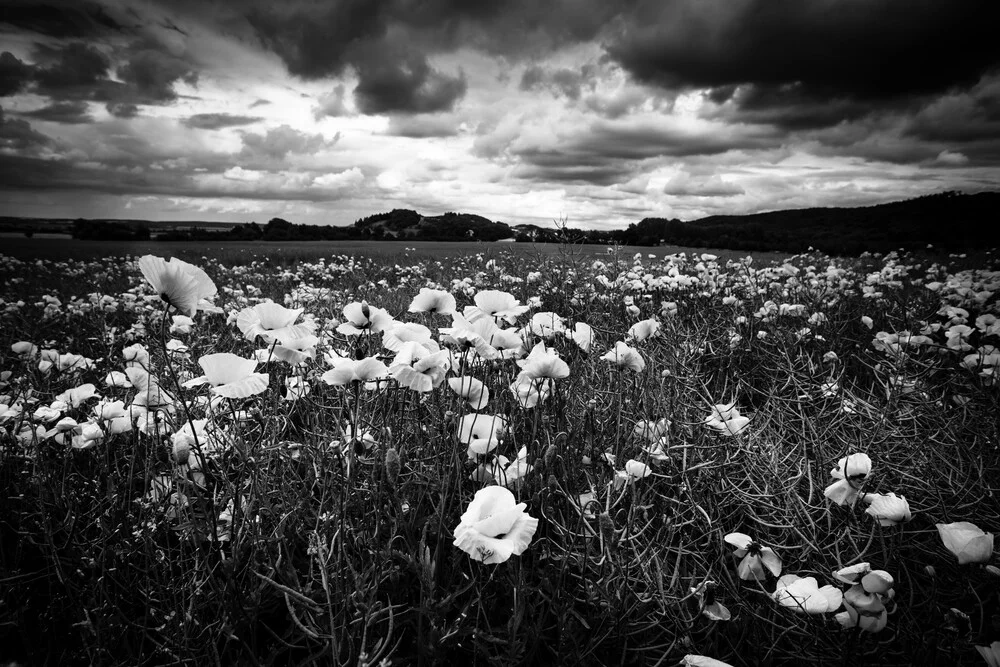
[287,538]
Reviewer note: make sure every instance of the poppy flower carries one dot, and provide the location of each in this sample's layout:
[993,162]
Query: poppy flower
[77,396]
[545,325]
[803,594]
[495,527]
[181,285]
[181,324]
[889,509]
[991,654]
[651,430]
[480,432]
[967,541]
[692,660]
[369,370]
[543,362]
[710,607]
[497,305]
[272,322]
[863,610]
[530,391]
[850,473]
[418,369]
[230,375]
[401,333]
[726,419]
[471,390]
[433,301]
[292,351]
[483,336]
[624,356]
[640,331]
[113,416]
[363,318]
[583,335]
[149,394]
[86,435]
[501,470]
[755,558]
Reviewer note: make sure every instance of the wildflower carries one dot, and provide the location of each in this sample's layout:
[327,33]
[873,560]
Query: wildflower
[113,416]
[867,321]
[707,604]
[433,301]
[417,368]
[803,594]
[471,390]
[497,305]
[889,509]
[77,396]
[546,325]
[136,355]
[494,527]
[692,660]
[863,610]
[296,387]
[483,335]
[850,473]
[651,430]
[624,356]
[149,394]
[991,654]
[480,433]
[362,318]
[230,375]
[530,391]
[640,331]
[967,541]
[543,363]
[582,334]
[179,284]
[181,324]
[272,322]
[24,349]
[394,338]
[755,558]
[86,435]
[501,470]
[726,419]
[292,351]
[368,370]
[117,379]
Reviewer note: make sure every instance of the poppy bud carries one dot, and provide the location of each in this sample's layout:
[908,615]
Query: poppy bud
[607,526]
[550,456]
[392,465]
[553,483]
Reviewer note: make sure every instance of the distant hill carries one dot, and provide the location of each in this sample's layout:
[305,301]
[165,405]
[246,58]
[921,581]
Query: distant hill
[950,221]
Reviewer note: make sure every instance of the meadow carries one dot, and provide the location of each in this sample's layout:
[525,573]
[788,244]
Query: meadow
[491,455]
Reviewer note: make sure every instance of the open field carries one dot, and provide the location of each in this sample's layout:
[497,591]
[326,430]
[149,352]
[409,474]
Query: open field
[238,252]
[359,454]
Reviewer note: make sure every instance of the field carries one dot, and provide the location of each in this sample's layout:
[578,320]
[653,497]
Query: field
[395,454]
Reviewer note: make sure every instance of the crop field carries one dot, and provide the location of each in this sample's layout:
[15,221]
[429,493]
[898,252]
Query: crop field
[476,454]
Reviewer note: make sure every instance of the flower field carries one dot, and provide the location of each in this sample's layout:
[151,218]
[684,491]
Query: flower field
[500,460]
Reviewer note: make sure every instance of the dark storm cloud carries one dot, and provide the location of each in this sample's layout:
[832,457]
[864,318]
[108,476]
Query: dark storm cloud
[14,74]
[150,73]
[73,71]
[67,19]
[390,81]
[72,113]
[218,121]
[17,134]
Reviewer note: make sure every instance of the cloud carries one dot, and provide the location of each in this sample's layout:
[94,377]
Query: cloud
[790,54]
[63,19]
[332,104]
[218,121]
[71,113]
[73,71]
[14,74]
[565,81]
[951,159]
[423,126]
[151,72]
[344,180]
[392,81]
[684,185]
[280,141]
[17,135]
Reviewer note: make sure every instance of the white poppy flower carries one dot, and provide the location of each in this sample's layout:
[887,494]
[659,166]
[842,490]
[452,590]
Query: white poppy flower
[495,527]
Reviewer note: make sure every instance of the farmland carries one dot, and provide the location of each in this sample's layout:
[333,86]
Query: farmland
[496,454]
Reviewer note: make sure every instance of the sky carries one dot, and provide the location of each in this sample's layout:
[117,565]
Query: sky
[595,113]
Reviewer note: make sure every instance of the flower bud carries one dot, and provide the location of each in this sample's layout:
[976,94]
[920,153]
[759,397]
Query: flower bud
[607,526]
[392,465]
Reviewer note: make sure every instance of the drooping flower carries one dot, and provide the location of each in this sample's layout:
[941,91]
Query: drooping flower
[480,432]
[433,301]
[754,558]
[803,594]
[889,509]
[850,473]
[179,284]
[230,375]
[710,607]
[495,527]
[623,356]
[471,390]
[726,419]
[967,541]
[272,322]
